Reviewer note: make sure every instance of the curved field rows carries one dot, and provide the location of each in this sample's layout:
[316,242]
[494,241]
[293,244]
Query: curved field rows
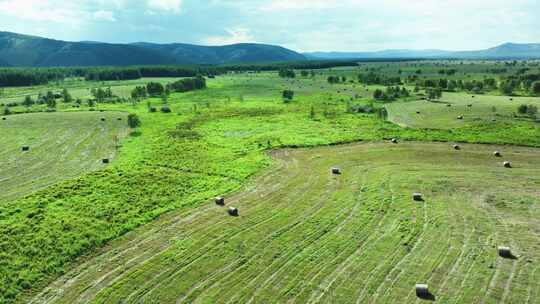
[307,236]
[62,146]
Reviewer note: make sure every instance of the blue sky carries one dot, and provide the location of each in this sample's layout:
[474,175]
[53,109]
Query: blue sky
[302,25]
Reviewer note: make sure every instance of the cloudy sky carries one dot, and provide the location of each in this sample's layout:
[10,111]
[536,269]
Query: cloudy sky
[303,25]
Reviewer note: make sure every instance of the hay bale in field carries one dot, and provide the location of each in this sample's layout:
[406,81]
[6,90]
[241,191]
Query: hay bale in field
[105,161]
[102,118]
[511,99]
[233,211]
[460,117]
[497,154]
[505,252]
[417,112]
[4,118]
[457,147]
[507,164]
[394,140]
[422,291]
[25,148]
[220,201]
[336,171]
[469,105]
[418,197]
[473,96]
[119,118]
[448,105]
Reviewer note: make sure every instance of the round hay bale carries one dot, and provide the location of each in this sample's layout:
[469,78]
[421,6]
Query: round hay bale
[220,201]
[105,161]
[457,147]
[507,164]
[497,154]
[102,118]
[394,140]
[473,96]
[233,211]
[119,118]
[448,105]
[336,171]
[417,197]
[460,117]
[25,148]
[469,105]
[4,118]
[417,112]
[422,290]
[511,99]
[504,252]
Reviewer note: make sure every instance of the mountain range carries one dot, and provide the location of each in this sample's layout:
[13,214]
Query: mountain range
[503,51]
[17,50]
[30,51]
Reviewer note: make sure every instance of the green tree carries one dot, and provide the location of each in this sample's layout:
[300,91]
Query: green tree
[28,101]
[66,96]
[535,88]
[288,95]
[133,121]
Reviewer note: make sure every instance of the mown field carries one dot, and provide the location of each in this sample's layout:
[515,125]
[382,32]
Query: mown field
[307,236]
[62,146]
[295,216]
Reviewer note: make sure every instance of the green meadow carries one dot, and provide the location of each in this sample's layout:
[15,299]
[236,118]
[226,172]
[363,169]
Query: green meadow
[144,228]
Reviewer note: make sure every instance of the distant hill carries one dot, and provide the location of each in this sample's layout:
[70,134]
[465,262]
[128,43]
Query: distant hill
[504,51]
[24,50]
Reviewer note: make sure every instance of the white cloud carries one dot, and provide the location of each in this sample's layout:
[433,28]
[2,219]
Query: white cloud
[37,10]
[235,35]
[104,16]
[174,6]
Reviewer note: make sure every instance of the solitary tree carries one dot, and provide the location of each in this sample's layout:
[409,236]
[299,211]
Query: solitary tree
[288,95]
[133,121]
[28,101]
[66,96]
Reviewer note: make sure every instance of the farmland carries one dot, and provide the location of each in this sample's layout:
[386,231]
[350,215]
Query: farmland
[145,226]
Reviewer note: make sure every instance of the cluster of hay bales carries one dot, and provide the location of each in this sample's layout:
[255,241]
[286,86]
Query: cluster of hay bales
[336,171]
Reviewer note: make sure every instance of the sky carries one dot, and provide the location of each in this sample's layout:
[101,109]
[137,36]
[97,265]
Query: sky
[301,25]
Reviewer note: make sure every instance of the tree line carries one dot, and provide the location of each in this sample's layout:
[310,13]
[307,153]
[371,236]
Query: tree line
[13,77]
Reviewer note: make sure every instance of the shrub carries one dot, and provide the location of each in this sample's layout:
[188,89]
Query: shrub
[152,109]
[165,109]
[133,121]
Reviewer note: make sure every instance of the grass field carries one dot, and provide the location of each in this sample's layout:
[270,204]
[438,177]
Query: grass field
[62,146]
[307,236]
[356,237]
[444,113]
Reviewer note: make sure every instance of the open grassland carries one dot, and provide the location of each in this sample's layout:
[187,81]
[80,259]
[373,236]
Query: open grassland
[444,113]
[211,144]
[62,146]
[307,236]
